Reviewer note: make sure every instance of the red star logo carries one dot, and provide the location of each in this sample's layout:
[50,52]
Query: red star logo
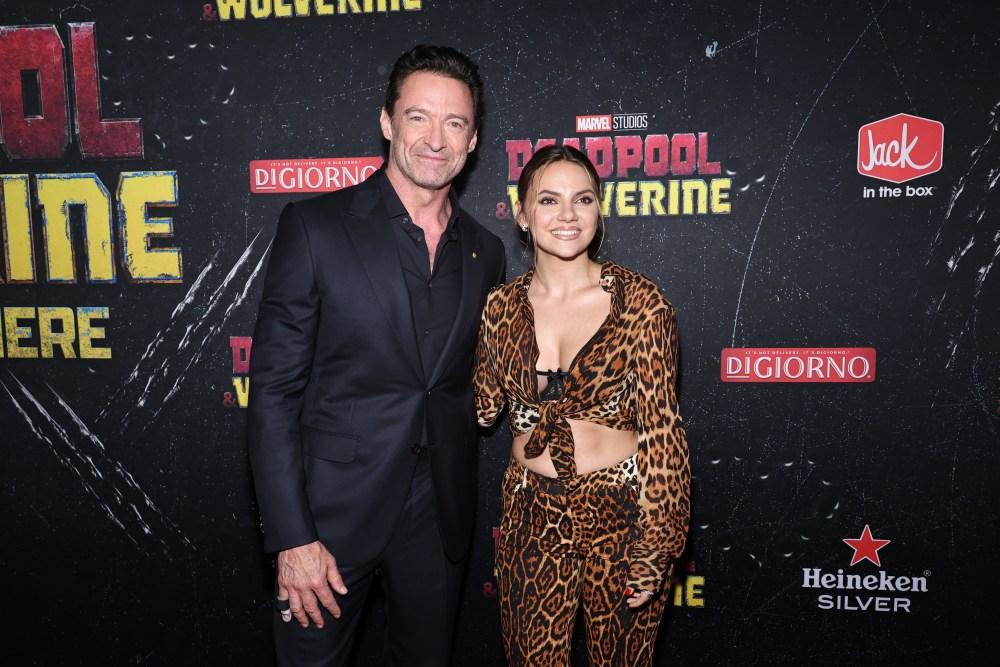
[866,547]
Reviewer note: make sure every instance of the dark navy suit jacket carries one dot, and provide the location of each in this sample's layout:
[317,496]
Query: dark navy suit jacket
[338,397]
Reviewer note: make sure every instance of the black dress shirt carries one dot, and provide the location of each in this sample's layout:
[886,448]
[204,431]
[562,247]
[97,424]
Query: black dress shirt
[434,293]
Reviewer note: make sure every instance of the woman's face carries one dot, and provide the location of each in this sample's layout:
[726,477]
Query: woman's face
[561,210]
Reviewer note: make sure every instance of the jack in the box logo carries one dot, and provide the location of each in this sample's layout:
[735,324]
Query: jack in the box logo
[900,148]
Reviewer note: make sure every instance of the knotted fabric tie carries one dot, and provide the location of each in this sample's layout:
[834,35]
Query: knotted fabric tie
[553,431]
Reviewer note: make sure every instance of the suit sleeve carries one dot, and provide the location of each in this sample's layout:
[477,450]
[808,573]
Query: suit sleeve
[663,460]
[486,380]
[280,365]
[502,274]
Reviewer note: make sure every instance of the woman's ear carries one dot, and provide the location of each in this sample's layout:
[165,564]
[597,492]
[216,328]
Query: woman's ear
[519,216]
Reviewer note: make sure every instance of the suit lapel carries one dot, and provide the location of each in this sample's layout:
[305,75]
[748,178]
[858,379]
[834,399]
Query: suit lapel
[472,279]
[375,243]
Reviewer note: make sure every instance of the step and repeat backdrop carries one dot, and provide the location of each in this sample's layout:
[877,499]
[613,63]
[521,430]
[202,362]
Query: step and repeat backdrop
[812,183]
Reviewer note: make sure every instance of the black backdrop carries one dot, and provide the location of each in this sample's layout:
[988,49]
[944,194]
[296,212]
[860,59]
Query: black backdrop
[129,533]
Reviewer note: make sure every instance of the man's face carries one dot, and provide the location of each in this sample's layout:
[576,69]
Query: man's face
[431,130]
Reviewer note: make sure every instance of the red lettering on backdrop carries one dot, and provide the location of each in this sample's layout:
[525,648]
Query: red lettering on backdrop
[519,151]
[682,154]
[657,154]
[629,149]
[704,166]
[241,346]
[47,136]
[600,153]
[39,137]
[97,137]
[518,154]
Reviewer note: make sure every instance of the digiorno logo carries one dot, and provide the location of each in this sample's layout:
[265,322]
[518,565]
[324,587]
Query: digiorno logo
[798,364]
[310,175]
[860,591]
[642,174]
[900,148]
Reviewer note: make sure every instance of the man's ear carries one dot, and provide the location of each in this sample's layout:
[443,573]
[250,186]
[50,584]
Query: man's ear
[474,140]
[386,124]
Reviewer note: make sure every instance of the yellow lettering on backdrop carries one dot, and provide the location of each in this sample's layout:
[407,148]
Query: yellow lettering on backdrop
[138,190]
[235,9]
[49,338]
[260,9]
[89,332]
[242,387]
[15,220]
[55,193]
[282,9]
[15,334]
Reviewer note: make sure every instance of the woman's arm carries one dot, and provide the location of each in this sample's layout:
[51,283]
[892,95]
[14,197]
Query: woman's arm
[663,461]
[486,381]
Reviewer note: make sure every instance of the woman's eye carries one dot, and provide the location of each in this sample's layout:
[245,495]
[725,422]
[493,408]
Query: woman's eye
[586,200]
[546,200]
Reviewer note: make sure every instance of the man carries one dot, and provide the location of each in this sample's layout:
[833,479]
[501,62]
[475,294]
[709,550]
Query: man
[361,424]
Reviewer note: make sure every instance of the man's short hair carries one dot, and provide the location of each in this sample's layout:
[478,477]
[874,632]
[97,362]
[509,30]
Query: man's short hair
[442,60]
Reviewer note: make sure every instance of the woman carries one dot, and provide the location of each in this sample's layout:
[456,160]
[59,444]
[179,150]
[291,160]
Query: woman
[595,500]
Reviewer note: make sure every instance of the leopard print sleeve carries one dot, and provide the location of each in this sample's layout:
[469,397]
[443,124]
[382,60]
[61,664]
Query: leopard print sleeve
[663,461]
[486,381]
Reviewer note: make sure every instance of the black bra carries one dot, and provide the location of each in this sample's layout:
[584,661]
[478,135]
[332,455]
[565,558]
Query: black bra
[554,389]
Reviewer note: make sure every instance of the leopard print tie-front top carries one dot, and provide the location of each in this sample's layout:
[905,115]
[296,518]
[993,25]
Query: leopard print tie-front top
[624,378]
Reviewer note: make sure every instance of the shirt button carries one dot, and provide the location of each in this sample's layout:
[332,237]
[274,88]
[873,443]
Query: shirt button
[427,332]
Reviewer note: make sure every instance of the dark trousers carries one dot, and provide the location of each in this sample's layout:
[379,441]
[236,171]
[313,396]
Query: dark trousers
[421,587]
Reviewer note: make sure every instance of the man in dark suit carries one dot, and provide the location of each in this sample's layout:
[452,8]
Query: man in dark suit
[361,421]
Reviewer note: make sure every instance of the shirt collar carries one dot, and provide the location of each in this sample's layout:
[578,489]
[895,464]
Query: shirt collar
[395,210]
[612,281]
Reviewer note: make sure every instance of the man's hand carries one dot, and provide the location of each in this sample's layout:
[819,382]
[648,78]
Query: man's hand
[305,576]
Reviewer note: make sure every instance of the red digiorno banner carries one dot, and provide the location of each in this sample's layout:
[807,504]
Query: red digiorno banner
[798,364]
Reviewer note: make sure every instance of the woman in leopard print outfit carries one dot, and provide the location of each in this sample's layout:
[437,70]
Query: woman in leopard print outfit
[595,500]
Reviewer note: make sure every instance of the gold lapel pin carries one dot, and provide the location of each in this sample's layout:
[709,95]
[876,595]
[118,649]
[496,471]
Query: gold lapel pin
[474,255]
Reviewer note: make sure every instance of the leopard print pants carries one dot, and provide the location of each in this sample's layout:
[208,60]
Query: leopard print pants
[561,546]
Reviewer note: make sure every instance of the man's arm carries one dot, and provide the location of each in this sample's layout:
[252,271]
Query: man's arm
[281,362]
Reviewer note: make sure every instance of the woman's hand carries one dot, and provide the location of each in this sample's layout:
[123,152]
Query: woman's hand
[635,599]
